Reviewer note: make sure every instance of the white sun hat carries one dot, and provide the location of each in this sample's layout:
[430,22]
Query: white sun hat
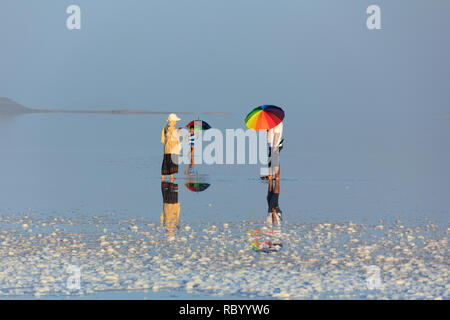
[173,117]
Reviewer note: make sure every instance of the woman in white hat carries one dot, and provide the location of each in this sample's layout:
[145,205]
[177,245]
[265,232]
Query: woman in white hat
[172,148]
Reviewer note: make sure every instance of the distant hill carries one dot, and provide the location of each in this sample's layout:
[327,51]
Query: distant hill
[8,106]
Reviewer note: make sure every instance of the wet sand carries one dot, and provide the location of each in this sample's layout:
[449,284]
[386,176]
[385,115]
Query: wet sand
[318,260]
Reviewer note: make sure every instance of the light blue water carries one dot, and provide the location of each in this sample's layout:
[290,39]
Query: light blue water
[362,169]
[359,169]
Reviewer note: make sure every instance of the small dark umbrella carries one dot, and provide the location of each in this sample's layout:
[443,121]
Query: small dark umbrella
[198,125]
[197,186]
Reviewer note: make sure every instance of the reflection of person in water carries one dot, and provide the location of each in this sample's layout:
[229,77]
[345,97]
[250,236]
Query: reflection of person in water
[274,211]
[270,241]
[170,218]
[190,137]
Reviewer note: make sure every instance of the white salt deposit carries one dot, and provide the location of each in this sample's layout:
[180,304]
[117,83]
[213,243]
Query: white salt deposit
[317,260]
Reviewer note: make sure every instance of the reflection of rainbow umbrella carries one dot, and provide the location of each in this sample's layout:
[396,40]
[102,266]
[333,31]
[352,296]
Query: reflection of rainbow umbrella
[198,125]
[266,246]
[197,186]
[264,117]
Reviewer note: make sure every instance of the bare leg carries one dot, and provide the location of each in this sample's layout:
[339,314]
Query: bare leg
[277,173]
[274,216]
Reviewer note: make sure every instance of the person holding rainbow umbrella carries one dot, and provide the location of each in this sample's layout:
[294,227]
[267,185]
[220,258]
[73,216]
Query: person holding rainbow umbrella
[270,118]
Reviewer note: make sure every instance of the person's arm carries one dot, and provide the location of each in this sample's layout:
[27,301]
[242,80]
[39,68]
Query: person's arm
[163,136]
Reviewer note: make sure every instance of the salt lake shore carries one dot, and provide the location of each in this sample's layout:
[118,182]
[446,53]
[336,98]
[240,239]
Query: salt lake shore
[318,260]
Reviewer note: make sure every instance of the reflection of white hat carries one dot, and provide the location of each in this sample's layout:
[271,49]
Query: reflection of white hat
[173,117]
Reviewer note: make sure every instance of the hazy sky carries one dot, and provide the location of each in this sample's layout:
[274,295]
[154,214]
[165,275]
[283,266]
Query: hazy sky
[214,55]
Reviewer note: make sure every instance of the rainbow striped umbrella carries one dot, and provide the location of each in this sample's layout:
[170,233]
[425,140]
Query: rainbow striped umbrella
[264,117]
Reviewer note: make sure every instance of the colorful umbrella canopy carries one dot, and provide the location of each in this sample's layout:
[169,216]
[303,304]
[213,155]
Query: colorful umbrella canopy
[197,186]
[198,125]
[264,117]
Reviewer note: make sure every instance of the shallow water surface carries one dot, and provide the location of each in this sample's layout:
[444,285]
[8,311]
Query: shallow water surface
[85,190]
